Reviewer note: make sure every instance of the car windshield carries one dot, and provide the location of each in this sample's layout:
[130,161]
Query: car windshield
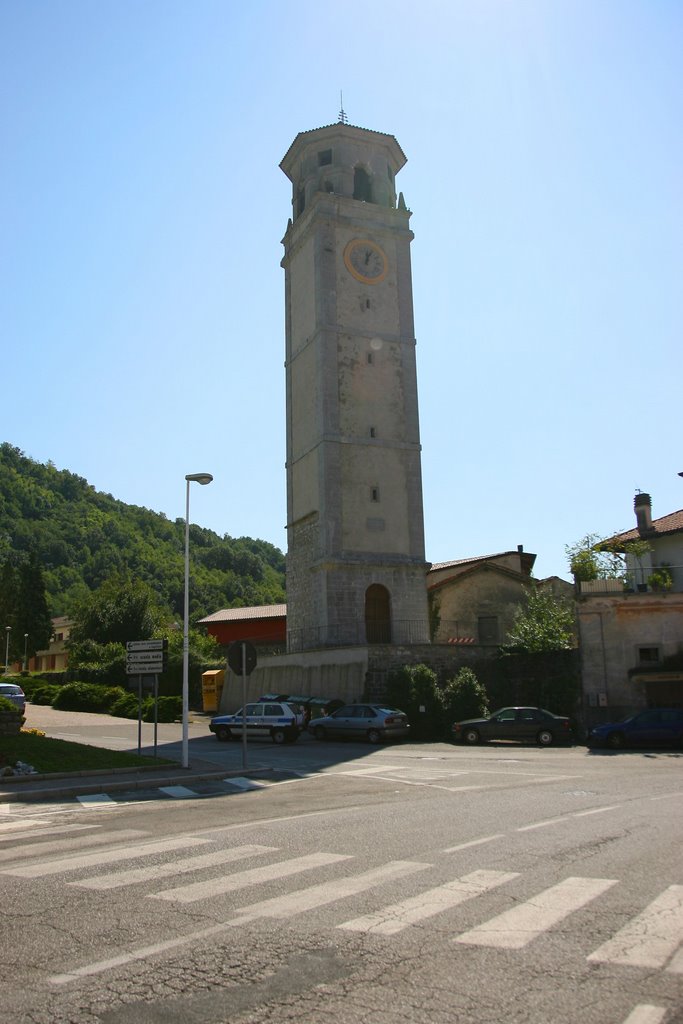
[8,688]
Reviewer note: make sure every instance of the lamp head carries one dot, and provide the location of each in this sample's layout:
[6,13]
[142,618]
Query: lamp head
[199,478]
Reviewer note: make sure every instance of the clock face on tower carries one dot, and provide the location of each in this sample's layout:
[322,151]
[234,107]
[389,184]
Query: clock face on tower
[365,261]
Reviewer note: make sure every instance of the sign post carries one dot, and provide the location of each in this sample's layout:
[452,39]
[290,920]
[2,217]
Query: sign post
[146,659]
[242,659]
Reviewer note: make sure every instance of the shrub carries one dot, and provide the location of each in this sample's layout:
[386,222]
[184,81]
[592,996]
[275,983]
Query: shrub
[414,690]
[464,697]
[42,693]
[169,709]
[125,704]
[86,697]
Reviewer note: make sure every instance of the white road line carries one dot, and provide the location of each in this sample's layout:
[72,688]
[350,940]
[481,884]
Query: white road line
[515,928]
[100,966]
[328,892]
[86,860]
[596,810]
[373,771]
[543,824]
[95,800]
[20,853]
[473,842]
[178,792]
[651,937]
[395,918]
[54,830]
[177,867]
[646,1014]
[243,879]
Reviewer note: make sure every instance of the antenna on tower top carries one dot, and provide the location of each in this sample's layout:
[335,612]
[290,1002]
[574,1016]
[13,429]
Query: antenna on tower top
[343,119]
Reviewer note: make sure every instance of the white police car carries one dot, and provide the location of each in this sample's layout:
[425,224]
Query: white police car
[280,721]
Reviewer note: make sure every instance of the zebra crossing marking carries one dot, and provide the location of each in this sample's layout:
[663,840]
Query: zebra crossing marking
[649,939]
[243,879]
[278,907]
[19,824]
[243,783]
[516,928]
[95,800]
[85,860]
[395,918]
[178,792]
[20,853]
[327,892]
[645,1013]
[117,879]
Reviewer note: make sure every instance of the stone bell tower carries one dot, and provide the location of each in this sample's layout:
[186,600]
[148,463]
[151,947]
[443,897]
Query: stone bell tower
[355,533]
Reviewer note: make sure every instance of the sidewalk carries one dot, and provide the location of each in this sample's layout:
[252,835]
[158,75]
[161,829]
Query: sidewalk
[61,784]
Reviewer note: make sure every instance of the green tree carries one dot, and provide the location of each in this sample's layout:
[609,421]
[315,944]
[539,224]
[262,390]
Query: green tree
[122,609]
[543,623]
[32,611]
[464,697]
[599,558]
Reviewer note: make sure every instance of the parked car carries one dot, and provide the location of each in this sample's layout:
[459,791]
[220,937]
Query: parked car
[13,693]
[656,727]
[280,721]
[515,724]
[312,707]
[372,722]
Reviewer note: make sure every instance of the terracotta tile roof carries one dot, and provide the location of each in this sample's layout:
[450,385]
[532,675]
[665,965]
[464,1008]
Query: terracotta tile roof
[673,523]
[478,558]
[265,611]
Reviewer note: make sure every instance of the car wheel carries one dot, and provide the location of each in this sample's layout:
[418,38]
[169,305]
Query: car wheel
[471,736]
[278,735]
[615,740]
[319,732]
[545,738]
[223,734]
[374,735]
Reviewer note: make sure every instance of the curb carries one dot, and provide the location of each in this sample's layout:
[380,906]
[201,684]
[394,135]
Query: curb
[108,784]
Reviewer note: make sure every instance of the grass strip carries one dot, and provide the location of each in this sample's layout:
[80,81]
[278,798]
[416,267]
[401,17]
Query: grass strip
[50,755]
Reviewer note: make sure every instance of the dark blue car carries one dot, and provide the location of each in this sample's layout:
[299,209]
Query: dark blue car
[656,727]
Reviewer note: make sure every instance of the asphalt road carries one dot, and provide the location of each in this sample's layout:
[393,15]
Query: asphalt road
[347,883]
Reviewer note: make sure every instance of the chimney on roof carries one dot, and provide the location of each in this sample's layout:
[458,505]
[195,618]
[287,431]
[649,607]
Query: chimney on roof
[642,505]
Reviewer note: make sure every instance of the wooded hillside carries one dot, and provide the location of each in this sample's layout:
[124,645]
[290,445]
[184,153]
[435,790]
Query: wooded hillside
[82,537]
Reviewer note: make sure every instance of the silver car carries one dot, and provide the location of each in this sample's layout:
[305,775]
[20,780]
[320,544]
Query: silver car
[372,722]
[14,693]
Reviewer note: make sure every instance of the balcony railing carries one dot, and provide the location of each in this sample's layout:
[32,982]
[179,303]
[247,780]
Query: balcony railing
[353,634]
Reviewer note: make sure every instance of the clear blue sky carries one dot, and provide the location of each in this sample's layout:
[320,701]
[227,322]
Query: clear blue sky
[141,215]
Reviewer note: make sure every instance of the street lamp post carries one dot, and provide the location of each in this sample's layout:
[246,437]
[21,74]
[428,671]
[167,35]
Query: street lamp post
[198,478]
[8,630]
[25,651]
